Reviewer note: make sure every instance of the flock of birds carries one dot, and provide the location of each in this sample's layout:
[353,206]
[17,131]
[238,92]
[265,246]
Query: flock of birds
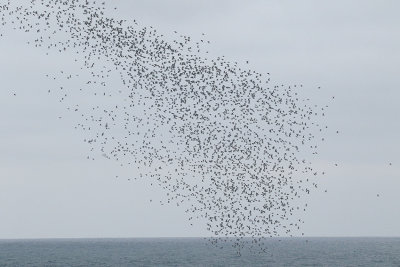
[217,137]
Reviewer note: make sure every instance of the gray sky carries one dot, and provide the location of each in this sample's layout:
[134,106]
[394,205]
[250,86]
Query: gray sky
[349,48]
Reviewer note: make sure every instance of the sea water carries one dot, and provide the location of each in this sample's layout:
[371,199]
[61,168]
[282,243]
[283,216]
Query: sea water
[198,252]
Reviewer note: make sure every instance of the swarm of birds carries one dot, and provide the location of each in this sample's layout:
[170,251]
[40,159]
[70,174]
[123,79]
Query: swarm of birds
[215,136]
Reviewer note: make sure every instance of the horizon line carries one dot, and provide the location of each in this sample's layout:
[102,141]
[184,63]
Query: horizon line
[191,237]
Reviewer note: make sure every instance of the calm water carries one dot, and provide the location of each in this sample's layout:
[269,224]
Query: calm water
[197,252]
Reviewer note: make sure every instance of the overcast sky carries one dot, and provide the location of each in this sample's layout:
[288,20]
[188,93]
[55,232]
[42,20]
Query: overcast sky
[349,48]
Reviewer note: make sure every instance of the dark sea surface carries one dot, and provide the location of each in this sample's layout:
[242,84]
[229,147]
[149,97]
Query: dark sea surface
[197,252]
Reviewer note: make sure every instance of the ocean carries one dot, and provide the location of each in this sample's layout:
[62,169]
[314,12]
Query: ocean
[198,252]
